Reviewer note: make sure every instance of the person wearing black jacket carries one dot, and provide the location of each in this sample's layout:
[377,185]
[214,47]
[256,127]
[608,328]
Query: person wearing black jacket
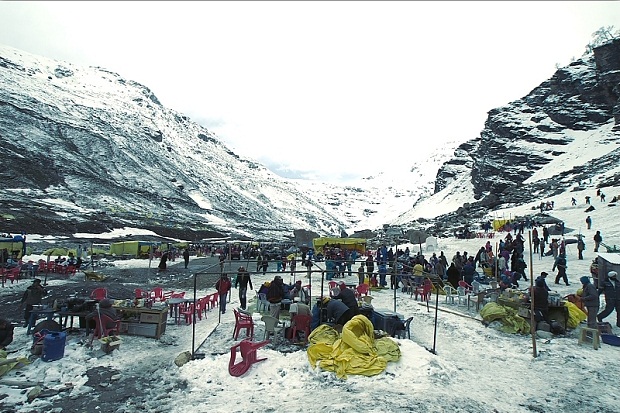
[242,281]
[348,298]
[454,275]
[611,289]
[275,295]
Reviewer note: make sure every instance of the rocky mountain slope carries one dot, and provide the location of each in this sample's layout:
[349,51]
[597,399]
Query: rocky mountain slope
[509,163]
[86,150]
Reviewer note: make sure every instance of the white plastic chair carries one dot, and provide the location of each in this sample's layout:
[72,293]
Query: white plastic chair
[261,302]
[450,291]
[272,326]
[462,295]
[475,287]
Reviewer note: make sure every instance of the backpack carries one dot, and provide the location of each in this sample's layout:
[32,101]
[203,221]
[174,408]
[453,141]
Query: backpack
[561,262]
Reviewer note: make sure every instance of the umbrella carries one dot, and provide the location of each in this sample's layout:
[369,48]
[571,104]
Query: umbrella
[56,251]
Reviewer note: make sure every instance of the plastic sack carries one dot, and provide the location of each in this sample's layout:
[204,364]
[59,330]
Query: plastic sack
[575,315]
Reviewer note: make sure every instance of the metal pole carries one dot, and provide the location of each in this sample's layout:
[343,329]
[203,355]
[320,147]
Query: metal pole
[194,321]
[532,315]
[395,272]
[435,328]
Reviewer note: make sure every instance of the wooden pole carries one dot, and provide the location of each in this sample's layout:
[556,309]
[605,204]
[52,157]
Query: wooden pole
[532,314]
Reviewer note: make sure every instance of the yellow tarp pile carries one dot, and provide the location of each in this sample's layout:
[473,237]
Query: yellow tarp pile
[509,317]
[575,315]
[7,365]
[354,352]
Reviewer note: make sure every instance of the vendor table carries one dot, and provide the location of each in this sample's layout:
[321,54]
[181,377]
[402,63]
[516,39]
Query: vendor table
[70,314]
[141,321]
[174,304]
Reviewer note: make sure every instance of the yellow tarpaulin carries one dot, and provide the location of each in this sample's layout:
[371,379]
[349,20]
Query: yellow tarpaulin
[355,351]
[359,244]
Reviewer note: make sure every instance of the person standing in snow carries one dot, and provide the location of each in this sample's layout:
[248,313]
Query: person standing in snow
[589,222]
[597,240]
[590,300]
[581,245]
[560,264]
[223,287]
[242,281]
[186,257]
[611,288]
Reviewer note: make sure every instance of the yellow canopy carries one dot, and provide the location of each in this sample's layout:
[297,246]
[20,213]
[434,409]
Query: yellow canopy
[359,244]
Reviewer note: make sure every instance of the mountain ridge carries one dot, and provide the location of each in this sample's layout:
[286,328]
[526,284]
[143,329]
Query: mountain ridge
[97,152]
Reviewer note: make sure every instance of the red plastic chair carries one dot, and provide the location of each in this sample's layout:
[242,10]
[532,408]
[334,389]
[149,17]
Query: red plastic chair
[42,265]
[362,289]
[248,353]
[100,326]
[301,322]
[199,308]
[243,321]
[12,274]
[214,300]
[70,270]
[157,294]
[424,291]
[178,295]
[464,284]
[99,294]
[188,313]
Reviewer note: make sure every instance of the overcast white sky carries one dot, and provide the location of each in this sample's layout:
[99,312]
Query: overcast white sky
[316,89]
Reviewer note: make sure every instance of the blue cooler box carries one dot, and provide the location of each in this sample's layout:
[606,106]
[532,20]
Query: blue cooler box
[54,346]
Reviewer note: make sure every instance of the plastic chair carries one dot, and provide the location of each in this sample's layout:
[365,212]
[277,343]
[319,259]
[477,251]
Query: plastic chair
[140,293]
[301,322]
[214,300]
[99,294]
[13,274]
[475,287]
[248,353]
[157,294]
[271,326]
[450,291]
[461,295]
[407,284]
[332,286]
[464,284]
[177,295]
[70,270]
[101,321]
[362,289]
[424,291]
[188,313]
[401,333]
[243,321]
[262,302]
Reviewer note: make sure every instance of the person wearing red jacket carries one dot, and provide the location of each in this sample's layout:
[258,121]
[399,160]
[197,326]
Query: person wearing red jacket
[223,287]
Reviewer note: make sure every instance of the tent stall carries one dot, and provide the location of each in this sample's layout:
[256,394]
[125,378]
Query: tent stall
[14,246]
[358,244]
[138,249]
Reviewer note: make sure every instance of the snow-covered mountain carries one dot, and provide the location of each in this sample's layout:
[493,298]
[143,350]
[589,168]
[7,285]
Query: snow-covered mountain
[564,132]
[85,150]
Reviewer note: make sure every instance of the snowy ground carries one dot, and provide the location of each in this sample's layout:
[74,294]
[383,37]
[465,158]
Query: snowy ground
[475,368]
